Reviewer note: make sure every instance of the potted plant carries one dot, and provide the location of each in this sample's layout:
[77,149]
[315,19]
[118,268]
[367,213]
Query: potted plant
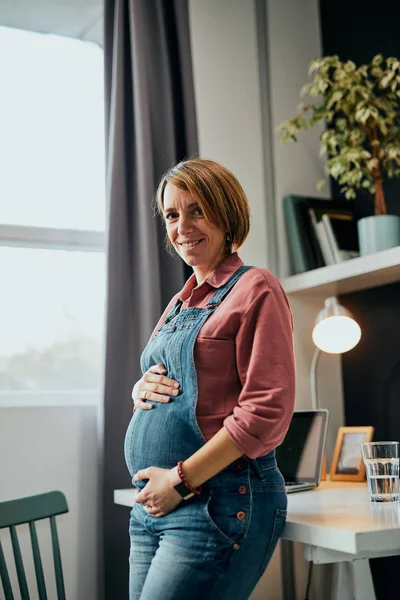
[361,106]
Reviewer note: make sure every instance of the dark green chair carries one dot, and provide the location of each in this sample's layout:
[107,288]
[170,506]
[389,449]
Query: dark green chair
[28,510]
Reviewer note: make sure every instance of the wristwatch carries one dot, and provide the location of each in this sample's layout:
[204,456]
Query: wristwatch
[183,491]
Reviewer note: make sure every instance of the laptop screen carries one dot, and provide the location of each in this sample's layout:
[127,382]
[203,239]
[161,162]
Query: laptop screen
[300,455]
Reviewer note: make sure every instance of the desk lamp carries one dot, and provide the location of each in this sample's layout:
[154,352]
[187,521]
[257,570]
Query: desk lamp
[335,332]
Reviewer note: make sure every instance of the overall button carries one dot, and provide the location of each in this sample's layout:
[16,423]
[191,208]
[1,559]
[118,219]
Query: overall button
[242,489]
[241,515]
[236,546]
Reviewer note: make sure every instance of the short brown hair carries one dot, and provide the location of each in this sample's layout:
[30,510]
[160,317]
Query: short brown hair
[217,191]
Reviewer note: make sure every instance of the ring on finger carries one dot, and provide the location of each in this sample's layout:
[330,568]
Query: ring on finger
[144,394]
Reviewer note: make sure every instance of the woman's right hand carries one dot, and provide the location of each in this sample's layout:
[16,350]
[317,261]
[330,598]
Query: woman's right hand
[154,386]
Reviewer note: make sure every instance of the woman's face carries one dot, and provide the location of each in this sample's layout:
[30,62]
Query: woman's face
[201,244]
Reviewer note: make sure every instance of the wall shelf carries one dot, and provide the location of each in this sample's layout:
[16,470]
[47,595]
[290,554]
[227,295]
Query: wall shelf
[352,275]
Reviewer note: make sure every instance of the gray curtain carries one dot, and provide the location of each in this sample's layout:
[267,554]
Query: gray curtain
[150,124]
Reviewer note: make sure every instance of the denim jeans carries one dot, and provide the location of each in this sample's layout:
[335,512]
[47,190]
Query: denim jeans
[215,546]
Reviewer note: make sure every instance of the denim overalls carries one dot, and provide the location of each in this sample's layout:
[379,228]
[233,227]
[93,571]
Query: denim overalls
[197,550]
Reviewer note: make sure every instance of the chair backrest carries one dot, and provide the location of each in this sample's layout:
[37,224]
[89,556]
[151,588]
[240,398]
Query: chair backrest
[28,510]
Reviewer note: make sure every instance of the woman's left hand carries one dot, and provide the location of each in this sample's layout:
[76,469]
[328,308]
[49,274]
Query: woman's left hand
[159,496]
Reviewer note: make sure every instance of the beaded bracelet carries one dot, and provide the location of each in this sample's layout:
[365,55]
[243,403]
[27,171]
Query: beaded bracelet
[185,481]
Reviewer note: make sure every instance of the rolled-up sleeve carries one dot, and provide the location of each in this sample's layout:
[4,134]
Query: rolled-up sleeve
[265,364]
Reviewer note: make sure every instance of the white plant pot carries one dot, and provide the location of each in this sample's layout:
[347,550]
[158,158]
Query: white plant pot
[377,233]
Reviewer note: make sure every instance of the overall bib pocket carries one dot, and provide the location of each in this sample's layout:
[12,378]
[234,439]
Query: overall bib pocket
[208,351]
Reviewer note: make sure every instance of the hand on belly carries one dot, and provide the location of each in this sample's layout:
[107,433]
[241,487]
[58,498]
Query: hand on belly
[159,496]
[154,386]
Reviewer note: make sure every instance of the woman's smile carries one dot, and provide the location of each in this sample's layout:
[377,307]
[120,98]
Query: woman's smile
[190,245]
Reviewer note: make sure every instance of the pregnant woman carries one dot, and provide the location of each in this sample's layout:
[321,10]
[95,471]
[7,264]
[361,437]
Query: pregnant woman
[215,400]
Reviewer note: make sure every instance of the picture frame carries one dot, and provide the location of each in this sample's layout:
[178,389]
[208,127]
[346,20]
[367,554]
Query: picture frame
[347,462]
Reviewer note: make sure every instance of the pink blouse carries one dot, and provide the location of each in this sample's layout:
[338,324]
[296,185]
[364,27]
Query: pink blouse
[244,358]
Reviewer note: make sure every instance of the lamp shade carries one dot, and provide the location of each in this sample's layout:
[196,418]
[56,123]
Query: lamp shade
[335,329]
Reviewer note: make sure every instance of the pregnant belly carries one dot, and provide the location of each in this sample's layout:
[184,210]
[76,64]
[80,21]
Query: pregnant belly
[159,437]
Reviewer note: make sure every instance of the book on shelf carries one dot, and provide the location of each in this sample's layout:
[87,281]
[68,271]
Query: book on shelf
[322,237]
[343,236]
[304,232]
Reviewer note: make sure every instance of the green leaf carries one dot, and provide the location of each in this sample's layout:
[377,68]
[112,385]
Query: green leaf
[386,79]
[350,194]
[371,164]
[305,90]
[377,60]
[349,66]
[335,97]
[341,124]
[393,63]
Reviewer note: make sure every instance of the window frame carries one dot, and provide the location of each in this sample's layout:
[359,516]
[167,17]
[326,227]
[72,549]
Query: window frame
[49,238]
[53,238]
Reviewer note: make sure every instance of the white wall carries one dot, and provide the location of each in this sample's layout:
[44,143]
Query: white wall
[227,95]
[44,449]
[293,41]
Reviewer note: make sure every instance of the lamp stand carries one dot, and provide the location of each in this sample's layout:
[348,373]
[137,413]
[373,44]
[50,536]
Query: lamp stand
[313,378]
[314,396]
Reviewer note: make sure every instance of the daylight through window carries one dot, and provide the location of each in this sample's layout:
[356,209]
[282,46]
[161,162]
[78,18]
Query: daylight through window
[52,216]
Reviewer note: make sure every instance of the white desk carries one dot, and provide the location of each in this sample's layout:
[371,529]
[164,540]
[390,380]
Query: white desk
[337,524]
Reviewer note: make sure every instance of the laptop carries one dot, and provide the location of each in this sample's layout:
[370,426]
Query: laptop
[300,455]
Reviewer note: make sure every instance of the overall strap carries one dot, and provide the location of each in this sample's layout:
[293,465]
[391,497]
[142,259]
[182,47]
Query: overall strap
[174,311]
[225,289]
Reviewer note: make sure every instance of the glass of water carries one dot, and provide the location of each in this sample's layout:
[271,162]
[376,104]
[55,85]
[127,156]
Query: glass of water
[382,466]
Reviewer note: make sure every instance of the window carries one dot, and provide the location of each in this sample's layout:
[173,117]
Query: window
[52,219]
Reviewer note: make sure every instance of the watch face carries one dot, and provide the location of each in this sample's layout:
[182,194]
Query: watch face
[183,490]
